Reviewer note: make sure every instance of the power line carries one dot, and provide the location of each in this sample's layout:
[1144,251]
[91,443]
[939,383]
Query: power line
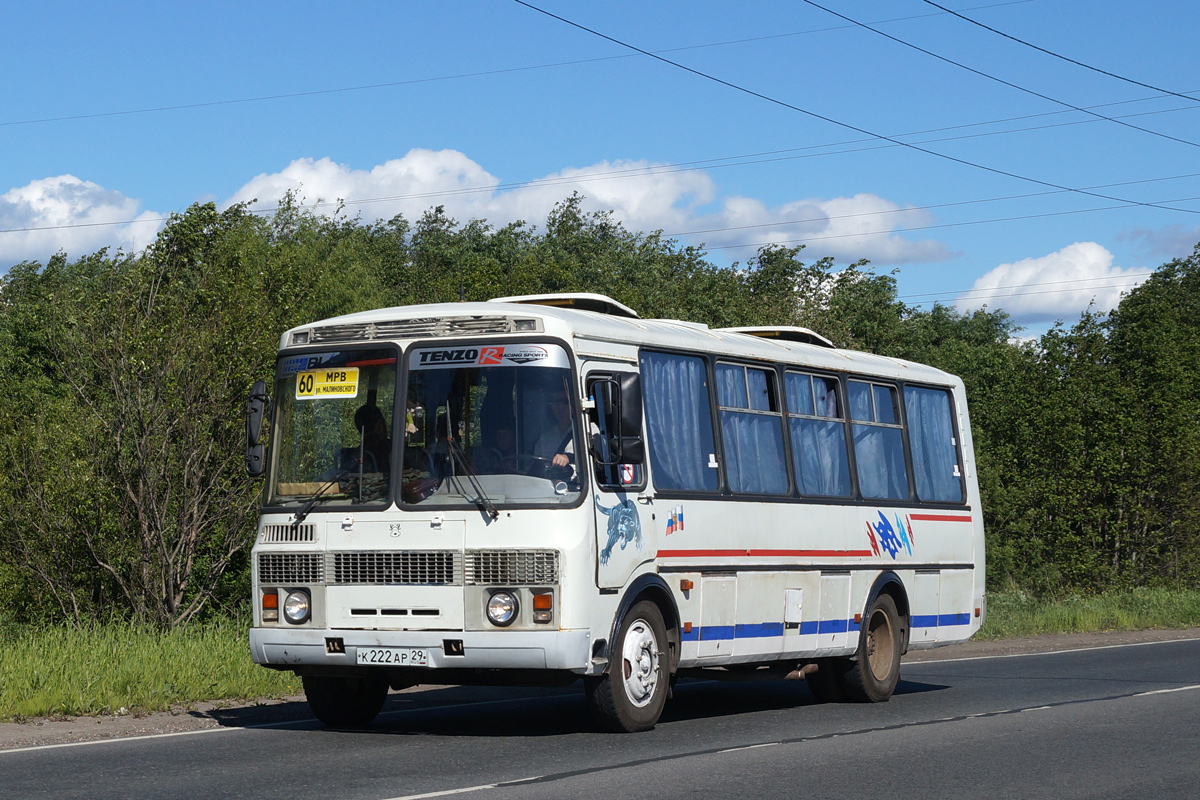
[459,76]
[778,224]
[1062,57]
[832,121]
[999,80]
[963,292]
[1026,294]
[806,239]
[932,207]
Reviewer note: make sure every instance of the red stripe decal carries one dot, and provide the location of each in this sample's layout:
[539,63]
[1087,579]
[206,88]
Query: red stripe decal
[940,517]
[371,362]
[762,553]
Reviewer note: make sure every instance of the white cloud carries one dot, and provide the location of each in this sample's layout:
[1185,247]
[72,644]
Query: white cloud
[683,203]
[1055,286]
[643,196]
[68,214]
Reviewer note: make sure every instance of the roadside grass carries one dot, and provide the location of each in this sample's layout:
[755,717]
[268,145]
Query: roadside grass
[122,668]
[1018,614]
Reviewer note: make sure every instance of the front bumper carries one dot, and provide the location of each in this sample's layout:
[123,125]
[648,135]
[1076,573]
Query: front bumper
[552,650]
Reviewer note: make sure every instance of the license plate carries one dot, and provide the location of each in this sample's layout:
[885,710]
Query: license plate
[393,656]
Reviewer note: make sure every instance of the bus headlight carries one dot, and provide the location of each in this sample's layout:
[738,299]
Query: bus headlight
[297,607]
[502,608]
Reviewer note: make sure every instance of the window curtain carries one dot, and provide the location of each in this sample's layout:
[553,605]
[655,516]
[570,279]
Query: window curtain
[931,437]
[879,453]
[754,459]
[678,421]
[819,453]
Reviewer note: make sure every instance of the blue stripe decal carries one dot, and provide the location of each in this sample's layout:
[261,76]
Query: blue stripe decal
[760,630]
[940,621]
[767,630]
[715,632]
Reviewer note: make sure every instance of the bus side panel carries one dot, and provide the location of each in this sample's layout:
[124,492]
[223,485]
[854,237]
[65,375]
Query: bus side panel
[954,606]
[925,601]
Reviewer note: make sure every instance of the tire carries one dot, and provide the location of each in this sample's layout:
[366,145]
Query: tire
[631,695]
[345,702]
[873,675]
[826,682]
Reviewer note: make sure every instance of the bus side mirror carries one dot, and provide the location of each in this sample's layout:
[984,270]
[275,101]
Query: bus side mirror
[618,415]
[256,411]
[633,448]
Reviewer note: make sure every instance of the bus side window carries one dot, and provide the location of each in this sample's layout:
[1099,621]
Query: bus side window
[878,441]
[751,430]
[818,435]
[934,446]
[679,422]
[610,474]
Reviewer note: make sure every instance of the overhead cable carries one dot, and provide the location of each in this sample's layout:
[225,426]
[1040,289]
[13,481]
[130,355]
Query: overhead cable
[999,80]
[1062,57]
[839,123]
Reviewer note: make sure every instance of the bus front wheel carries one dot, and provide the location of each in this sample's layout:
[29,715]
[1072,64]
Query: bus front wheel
[873,675]
[343,702]
[631,695]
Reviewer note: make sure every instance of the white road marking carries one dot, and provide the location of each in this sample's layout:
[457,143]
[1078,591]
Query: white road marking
[1168,691]
[448,792]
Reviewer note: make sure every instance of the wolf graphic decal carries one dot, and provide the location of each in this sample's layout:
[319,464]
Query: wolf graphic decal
[624,526]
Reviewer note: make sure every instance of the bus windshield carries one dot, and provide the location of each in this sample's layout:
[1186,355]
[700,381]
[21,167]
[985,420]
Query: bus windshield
[490,424]
[333,437]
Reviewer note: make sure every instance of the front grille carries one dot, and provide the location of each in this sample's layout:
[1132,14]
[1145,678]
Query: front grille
[288,533]
[290,569]
[428,327]
[390,568]
[511,567]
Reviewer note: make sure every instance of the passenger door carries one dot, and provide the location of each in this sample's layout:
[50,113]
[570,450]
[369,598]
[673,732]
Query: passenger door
[624,526]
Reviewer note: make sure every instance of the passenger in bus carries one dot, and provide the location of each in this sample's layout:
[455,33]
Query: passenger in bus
[376,444]
[499,453]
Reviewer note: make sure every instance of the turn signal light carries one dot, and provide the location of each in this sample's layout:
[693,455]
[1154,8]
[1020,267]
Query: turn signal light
[270,607]
[543,605]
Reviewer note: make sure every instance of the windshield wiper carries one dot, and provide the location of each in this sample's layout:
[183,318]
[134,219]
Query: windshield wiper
[460,458]
[316,496]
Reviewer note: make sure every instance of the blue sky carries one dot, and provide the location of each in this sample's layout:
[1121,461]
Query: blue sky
[126,112]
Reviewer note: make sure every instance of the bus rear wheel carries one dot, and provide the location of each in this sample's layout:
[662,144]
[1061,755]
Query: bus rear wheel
[345,702]
[873,675]
[631,695]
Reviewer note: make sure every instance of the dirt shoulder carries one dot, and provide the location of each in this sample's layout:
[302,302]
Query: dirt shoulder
[260,713]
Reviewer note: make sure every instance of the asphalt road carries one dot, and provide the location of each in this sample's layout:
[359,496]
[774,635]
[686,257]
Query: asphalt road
[1110,722]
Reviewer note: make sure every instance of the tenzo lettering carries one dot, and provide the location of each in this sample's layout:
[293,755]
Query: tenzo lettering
[465,355]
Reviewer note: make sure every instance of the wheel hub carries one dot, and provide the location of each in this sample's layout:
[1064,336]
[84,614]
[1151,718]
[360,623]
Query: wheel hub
[640,659]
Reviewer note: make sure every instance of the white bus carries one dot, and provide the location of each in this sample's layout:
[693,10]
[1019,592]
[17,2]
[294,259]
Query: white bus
[546,488]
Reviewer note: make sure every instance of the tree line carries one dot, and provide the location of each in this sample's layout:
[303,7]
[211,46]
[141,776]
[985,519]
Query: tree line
[122,488]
